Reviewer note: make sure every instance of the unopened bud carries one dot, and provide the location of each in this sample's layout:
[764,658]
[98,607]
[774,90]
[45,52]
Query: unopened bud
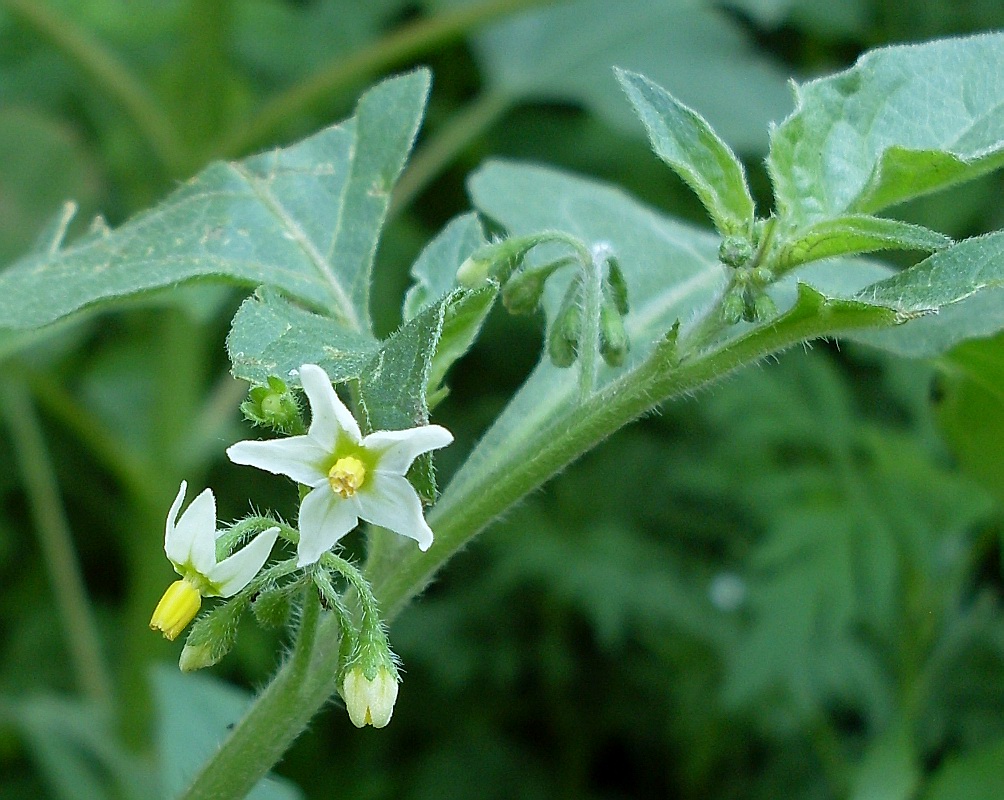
[613,336]
[522,292]
[735,251]
[273,406]
[212,637]
[617,286]
[764,308]
[370,700]
[563,341]
[733,307]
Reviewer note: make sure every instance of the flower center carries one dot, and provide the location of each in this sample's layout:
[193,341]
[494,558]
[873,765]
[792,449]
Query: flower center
[346,476]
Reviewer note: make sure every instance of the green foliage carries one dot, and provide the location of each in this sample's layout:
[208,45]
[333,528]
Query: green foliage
[685,141]
[787,587]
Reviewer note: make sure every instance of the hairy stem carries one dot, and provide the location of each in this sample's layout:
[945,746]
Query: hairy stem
[55,539]
[469,504]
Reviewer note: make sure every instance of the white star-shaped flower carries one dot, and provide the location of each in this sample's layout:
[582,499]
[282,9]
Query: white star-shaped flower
[350,477]
[190,544]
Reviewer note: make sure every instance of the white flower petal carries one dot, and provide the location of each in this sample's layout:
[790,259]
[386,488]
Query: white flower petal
[391,502]
[328,414]
[193,540]
[171,542]
[324,519]
[398,449]
[297,457]
[236,571]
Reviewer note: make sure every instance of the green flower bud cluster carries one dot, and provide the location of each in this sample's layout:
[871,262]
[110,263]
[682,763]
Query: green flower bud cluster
[746,298]
[275,407]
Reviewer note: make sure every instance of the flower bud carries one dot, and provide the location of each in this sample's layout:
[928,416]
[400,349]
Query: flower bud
[522,292]
[370,700]
[563,341]
[273,406]
[617,286]
[733,306]
[613,336]
[212,636]
[764,308]
[735,251]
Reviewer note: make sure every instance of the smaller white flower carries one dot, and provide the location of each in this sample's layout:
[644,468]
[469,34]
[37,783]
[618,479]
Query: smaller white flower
[350,477]
[190,544]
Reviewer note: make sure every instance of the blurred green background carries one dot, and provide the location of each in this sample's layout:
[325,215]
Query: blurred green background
[788,586]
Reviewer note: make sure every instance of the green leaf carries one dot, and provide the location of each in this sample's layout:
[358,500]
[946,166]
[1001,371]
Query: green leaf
[964,284]
[850,234]
[435,276]
[305,219]
[392,386]
[273,336]
[975,775]
[435,270]
[890,769]
[565,52]
[970,409]
[77,751]
[947,277]
[44,165]
[685,141]
[194,714]
[904,121]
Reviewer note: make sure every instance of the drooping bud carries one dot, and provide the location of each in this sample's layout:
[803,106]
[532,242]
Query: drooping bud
[370,700]
[522,292]
[212,636]
[272,607]
[563,340]
[615,283]
[613,336]
[764,308]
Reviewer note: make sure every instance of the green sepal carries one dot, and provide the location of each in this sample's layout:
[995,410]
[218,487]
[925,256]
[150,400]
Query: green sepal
[686,142]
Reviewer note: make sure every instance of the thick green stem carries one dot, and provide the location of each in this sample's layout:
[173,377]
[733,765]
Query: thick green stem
[467,507]
[55,540]
[110,74]
[343,71]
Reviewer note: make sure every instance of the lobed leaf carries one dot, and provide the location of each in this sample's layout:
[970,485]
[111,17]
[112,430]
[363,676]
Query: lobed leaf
[305,219]
[904,121]
[685,141]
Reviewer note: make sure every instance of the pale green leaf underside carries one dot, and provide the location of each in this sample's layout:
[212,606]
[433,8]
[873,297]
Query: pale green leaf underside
[434,272]
[304,219]
[857,233]
[685,141]
[904,121]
